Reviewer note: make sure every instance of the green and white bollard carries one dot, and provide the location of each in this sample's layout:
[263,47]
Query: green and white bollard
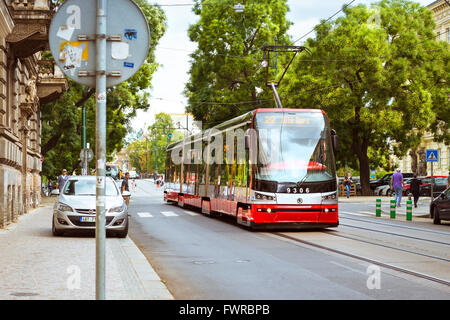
[409,210]
[378,210]
[393,205]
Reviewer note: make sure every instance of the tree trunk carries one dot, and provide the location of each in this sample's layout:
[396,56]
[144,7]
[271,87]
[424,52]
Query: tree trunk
[365,174]
[360,146]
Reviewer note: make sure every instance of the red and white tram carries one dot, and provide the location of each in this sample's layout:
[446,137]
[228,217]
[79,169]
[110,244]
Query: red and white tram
[269,168]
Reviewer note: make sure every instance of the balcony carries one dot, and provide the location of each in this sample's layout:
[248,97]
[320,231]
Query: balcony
[31,26]
[51,82]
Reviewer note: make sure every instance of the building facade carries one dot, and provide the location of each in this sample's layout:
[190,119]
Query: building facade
[415,160]
[25,83]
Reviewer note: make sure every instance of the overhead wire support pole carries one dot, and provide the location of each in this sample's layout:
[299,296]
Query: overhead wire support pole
[266,61]
[100,149]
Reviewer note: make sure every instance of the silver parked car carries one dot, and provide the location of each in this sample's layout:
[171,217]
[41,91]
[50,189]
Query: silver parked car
[76,207]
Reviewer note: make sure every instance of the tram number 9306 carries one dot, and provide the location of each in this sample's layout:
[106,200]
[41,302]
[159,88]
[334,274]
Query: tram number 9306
[299,190]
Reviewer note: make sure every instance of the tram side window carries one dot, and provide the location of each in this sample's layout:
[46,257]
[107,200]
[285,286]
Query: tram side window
[225,167]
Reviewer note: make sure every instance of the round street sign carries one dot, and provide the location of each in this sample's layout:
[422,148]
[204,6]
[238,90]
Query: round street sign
[72,38]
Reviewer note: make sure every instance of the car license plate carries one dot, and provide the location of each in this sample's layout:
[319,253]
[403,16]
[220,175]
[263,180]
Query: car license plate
[87,219]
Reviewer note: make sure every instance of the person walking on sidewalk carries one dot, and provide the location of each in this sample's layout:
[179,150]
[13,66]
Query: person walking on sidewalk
[125,187]
[397,186]
[348,180]
[62,180]
[415,188]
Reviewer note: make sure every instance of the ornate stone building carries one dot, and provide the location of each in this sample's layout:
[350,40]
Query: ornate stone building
[25,82]
[414,160]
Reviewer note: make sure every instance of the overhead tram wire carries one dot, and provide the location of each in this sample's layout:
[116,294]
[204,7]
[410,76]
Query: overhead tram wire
[328,19]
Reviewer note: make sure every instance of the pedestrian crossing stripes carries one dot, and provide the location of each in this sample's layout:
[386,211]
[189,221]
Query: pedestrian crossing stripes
[169,213]
[144,215]
[165,214]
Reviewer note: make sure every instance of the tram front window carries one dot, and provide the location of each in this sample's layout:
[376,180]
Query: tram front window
[294,148]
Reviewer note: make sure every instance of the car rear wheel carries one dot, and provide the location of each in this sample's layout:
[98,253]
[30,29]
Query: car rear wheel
[436,218]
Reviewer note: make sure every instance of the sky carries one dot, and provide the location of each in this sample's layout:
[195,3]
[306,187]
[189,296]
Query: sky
[174,49]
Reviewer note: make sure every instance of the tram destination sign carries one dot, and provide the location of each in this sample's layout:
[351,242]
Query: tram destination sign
[72,38]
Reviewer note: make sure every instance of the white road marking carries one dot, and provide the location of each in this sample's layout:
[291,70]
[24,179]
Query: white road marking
[191,213]
[144,215]
[169,213]
[353,213]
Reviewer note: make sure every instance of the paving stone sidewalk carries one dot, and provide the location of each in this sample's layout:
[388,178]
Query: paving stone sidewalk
[36,265]
[369,202]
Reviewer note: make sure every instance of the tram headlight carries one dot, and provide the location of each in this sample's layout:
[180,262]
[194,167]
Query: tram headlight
[259,196]
[329,197]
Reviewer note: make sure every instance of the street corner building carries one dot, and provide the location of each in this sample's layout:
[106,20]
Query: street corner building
[26,82]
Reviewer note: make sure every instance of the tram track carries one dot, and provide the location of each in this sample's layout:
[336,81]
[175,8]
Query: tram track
[396,225]
[334,233]
[395,234]
[374,261]
[365,259]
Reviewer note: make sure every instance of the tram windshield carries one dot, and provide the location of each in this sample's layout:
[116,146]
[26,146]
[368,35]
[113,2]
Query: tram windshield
[294,148]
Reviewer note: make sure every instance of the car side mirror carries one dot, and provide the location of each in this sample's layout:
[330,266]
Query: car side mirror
[334,140]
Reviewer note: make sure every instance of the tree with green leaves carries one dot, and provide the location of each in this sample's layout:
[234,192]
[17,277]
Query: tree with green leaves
[226,77]
[148,147]
[380,75]
[61,120]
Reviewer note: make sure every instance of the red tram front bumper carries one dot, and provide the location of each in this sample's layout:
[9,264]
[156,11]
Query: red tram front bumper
[291,216]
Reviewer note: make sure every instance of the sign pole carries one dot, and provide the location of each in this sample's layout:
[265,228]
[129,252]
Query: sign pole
[84,162]
[432,181]
[100,148]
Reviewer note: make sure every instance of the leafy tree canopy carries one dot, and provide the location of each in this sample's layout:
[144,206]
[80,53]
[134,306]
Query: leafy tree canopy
[61,119]
[380,75]
[226,66]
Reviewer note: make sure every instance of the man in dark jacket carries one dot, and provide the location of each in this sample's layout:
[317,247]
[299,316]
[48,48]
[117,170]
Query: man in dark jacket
[125,187]
[415,188]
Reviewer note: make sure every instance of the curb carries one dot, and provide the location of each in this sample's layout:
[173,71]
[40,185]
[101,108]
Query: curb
[139,277]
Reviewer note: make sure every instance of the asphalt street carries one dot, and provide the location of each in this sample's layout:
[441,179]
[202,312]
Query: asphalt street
[199,257]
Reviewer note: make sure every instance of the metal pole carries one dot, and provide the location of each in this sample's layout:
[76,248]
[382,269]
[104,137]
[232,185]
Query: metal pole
[275,93]
[85,162]
[156,157]
[432,181]
[100,149]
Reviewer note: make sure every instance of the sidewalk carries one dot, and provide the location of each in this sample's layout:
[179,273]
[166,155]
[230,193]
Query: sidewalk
[423,206]
[36,265]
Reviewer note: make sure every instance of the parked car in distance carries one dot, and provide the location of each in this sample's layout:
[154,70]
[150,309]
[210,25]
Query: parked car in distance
[75,208]
[440,207]
[382,190]
[385,180]
[440,184]
[133,175]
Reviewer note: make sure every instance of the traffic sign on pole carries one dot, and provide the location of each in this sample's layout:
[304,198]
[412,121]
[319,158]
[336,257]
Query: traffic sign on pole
[432,155]
[99,44]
